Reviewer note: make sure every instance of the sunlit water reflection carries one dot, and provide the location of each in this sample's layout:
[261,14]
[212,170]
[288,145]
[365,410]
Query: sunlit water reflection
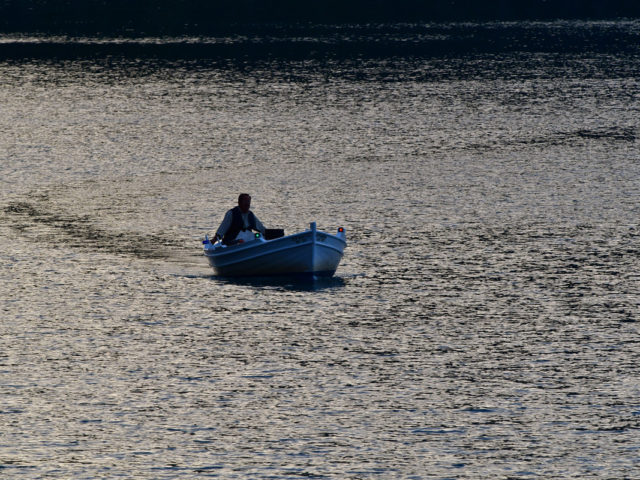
[483,322]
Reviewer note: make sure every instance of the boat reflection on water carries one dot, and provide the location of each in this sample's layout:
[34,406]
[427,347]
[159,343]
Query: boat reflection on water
[295,283]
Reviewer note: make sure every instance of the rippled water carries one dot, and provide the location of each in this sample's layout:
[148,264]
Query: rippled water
[482,324]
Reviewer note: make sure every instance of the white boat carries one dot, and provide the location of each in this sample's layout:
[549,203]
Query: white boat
[308,253]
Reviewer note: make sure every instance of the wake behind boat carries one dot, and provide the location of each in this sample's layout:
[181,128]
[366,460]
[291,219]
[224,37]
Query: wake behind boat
[308,253]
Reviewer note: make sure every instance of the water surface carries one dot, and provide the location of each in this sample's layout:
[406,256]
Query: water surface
[483,322]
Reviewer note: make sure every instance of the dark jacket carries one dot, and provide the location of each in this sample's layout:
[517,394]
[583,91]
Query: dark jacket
[237,225]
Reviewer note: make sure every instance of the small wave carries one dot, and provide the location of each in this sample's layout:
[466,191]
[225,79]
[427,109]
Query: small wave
[606,134]
[613,133]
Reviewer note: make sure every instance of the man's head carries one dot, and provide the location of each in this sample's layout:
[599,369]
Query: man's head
[244,202]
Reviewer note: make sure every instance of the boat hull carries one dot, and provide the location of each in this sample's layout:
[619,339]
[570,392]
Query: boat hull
[309,253]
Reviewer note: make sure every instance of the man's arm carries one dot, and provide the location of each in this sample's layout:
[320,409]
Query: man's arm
[224,226]
[259,225]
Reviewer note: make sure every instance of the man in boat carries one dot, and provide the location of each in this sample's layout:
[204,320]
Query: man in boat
[238,219]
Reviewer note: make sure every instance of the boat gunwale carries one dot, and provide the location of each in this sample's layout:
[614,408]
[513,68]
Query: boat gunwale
[220,253]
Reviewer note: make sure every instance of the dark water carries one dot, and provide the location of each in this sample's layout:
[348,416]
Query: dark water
[483,323]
